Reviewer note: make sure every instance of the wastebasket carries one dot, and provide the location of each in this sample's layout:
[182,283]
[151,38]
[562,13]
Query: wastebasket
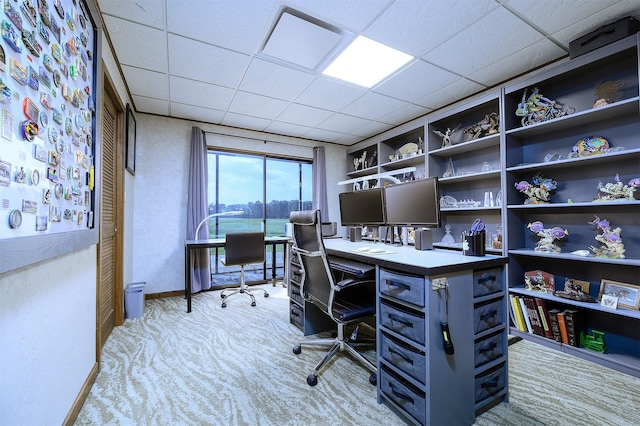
[134,300]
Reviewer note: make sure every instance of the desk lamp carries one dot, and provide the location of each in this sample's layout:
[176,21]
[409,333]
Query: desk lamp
[231,213]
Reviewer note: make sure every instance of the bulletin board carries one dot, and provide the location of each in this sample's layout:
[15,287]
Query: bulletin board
[47,121]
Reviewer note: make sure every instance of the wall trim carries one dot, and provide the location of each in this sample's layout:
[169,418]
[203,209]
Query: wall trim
[82,396]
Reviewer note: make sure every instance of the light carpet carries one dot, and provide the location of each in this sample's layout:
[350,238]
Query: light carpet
[235,366]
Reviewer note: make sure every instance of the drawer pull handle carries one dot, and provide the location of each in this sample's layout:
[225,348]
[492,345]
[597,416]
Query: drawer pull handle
[401,355]
[488,315]
[395,318]
[488,279]
[295,291]
[295,314]
[394,283]
[400,394]
[488,348]
[490,383]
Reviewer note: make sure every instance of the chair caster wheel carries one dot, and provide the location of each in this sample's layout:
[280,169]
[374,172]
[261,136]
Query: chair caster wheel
[373,379]
[297,349]
[224,305]
[312,380]
[266,295]
[253,303]
[221,296]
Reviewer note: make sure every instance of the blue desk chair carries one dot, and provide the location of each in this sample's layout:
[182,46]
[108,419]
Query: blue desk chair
[242,249]
[348,301]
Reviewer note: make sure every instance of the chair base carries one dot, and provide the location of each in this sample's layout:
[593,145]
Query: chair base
[243,290]
[335,345]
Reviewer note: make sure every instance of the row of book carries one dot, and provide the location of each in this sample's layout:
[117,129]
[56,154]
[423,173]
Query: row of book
[531,315]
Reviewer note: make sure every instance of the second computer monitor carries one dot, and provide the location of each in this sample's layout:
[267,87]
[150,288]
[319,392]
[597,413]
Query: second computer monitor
[413,203]
[362,208]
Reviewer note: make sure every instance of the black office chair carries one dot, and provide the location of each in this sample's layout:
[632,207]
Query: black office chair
[243,248]
[347,301]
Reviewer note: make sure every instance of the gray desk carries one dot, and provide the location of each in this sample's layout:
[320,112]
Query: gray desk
[219,242]
[416,378]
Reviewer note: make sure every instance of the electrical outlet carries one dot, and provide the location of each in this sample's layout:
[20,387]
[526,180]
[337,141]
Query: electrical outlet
[439,283]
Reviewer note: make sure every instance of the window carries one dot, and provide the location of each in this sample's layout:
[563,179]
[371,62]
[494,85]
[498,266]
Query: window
[265,189]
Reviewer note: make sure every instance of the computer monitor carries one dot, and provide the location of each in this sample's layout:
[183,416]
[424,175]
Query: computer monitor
[362,208]
[413,203]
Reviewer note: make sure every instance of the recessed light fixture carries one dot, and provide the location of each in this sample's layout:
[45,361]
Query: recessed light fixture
[302,41]
[366,62]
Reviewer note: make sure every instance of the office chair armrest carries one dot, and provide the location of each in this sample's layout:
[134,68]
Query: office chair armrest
[353,282]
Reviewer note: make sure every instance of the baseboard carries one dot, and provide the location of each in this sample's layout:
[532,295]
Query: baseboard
[164,294]
[82,396]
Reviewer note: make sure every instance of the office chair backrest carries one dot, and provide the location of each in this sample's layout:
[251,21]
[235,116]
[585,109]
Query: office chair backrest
[243,248]
[307,242]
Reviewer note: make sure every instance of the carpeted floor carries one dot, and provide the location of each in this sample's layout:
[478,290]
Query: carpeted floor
[234,366]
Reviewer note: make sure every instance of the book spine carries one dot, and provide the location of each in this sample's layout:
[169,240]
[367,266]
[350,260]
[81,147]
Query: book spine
[573,319]
[562,325]
[544,317]
[555,328]
[524,313]
[518,314]
[534,319]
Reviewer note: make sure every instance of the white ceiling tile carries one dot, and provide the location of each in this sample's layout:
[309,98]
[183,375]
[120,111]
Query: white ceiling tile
[138,54]
[191,112]
[415,27]
[323,135]
[150,105]
[352,15]
[347,140]
[145,12]
[520,62]
[343,123]
[245,121]
[259,106]
[329,94]
[415,81]
[373,106]
[289,129]
[200,94]
[274,80]
[204,62]
[304,115]
[407,113]
[494,37]
[236,25]
[460,89]
[146,83]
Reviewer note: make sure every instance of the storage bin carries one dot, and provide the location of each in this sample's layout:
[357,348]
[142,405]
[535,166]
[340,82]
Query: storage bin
[487,281]
[404,394]
[403,322]
[490,383]
[134,300]
[408,288]
[487,315]
[489,349]
[405,357]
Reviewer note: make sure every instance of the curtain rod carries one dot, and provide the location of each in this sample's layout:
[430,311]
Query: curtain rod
[259,139]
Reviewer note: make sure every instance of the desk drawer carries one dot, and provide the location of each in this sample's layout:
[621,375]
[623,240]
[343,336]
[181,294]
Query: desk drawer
[487,315]
[408,359]
[489,348]
[408,288]
[294,294]
[296,315]
[490,383]
[487,281]
[404,394]
[403,322]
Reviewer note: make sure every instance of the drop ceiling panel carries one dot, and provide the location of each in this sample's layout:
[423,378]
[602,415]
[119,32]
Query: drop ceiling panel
[415,81]
[289,129]
[245,121]
[257,105]
[304,115]
[373,106]
[199,94]
[451,93]
[138,45]
[145,12]
[151,105]
[330,94]
[147,83]
[191,112]
[343,123]
[274,80]
[352,15]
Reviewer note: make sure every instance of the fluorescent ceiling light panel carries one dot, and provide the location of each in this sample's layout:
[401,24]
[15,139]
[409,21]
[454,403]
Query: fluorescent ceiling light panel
[366,62]
[300,42]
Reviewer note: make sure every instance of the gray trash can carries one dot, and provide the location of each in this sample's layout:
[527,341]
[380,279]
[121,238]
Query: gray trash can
[134,300]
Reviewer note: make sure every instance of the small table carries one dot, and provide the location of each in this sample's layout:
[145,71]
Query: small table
[190,245]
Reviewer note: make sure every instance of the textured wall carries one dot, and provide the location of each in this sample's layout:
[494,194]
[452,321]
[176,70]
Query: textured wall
[159,205]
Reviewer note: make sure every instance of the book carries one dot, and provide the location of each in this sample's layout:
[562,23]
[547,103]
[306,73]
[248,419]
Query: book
[555,328]
[524,314]
[544,317]
[517,313]
[534,319]
[575,324]
[562,325]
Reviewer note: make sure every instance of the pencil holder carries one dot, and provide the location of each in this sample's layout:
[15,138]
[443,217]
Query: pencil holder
[474,244]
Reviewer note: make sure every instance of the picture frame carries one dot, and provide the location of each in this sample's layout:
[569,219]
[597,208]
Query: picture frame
[628,294]
[130,160]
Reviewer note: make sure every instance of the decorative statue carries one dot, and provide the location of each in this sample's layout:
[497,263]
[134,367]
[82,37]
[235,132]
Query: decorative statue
[538,190]
[617,190]
[608,92]
[537,108]
[446,136]
[547,237]
[489,125]
[612,247]
[591,145]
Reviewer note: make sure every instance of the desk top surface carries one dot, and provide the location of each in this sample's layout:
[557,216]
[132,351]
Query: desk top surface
[437,260]
[219,242]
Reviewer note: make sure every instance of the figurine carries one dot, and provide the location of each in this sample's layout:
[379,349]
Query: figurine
[574,292]
[547,237]
[537,108]
[591,145]
[538,190]
[608,92]
[489,125]
[446,136]
[613,247]
[618,190]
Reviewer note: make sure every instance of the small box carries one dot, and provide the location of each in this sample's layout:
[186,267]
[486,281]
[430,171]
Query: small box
[604,35]
[355,234]
[329,229]
[423,239]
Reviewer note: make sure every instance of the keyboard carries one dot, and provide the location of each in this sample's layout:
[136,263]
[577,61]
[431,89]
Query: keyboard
[351,266]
